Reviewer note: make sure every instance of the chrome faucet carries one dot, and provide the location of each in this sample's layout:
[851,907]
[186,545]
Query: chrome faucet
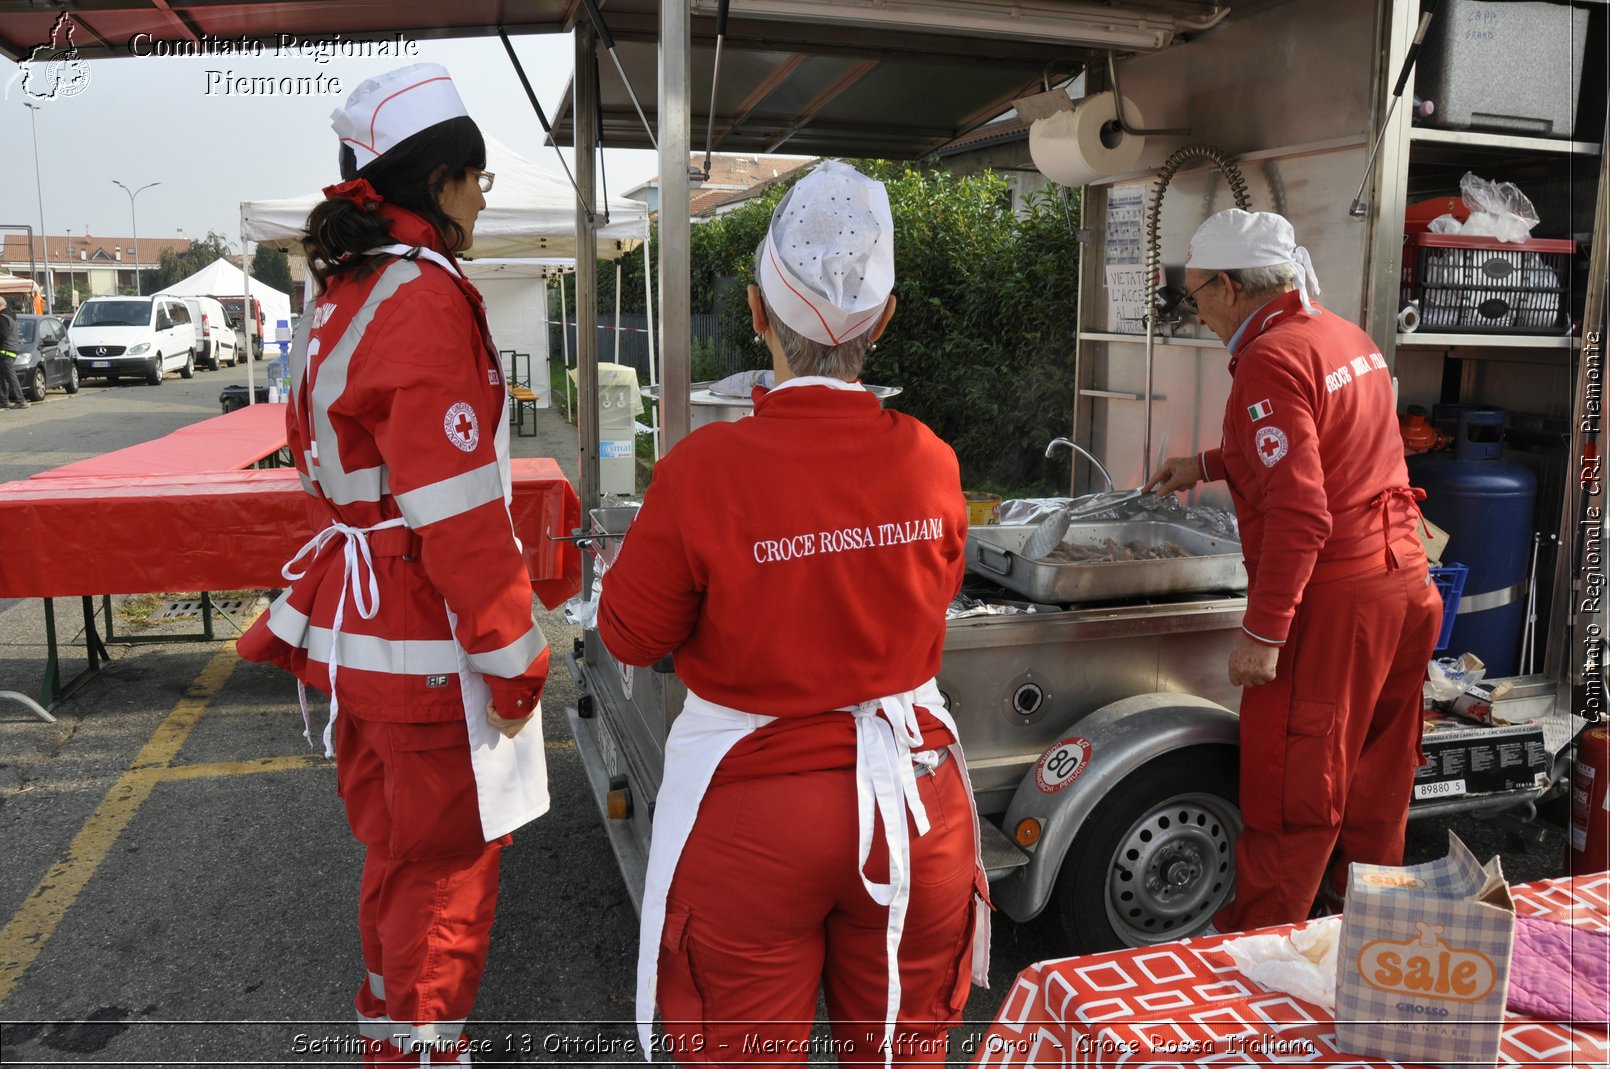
[1087,454]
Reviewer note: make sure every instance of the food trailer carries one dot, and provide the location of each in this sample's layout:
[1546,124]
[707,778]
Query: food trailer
[1100,727]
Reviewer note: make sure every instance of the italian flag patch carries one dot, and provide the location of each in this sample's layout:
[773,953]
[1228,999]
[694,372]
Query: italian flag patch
[1260,410]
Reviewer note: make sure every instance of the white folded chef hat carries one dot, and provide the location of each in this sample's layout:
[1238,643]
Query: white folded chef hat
[392,107]
[828,265]
[1234,239]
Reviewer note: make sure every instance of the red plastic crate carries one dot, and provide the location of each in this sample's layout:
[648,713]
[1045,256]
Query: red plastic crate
[1479,285]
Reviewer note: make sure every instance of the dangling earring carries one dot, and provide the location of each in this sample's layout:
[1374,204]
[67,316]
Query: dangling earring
[874,345]
[760,339]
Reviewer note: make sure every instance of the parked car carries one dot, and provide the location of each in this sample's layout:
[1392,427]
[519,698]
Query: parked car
[145,336]
[215,339]
[44,360]
[232,305]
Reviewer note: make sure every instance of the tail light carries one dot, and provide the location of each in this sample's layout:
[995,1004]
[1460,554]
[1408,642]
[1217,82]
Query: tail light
[206,327]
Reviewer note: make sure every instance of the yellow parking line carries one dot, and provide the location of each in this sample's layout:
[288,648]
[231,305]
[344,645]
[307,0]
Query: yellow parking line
[26,934]
[216,769]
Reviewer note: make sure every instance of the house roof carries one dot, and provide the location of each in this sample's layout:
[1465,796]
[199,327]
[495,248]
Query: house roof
[96,250]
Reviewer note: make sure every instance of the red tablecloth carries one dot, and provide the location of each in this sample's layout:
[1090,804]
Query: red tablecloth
[220,531]
[229,442]
[1185,1004]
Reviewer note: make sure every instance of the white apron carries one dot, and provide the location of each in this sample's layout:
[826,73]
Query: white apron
[700,740]
[511,775]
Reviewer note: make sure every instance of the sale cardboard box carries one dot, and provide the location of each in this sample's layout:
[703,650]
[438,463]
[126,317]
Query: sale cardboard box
[1462,758]
[1423,970]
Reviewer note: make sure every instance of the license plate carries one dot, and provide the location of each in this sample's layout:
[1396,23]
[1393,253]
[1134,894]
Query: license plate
[1448,788]
[101,363]
[606,746]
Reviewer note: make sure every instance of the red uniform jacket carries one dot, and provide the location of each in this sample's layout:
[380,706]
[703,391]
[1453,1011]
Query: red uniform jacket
[397,399]
[1310,447]
[795,562]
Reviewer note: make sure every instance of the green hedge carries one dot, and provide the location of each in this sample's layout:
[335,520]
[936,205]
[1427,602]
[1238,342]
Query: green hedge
[983,338]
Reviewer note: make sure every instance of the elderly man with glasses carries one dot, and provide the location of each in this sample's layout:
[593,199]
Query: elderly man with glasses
[1341,613]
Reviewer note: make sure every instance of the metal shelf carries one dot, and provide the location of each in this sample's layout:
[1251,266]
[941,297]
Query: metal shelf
[1503,142]
[1140,339]
[1427,339]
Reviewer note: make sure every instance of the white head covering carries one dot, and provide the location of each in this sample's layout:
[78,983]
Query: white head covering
[828,264]
[1234,239]
[394,106]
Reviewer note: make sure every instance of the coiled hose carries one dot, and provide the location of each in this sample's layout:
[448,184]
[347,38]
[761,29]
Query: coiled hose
[1154,214]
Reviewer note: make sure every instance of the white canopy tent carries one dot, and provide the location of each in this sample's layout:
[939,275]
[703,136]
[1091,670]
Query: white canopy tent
[223,279]
[531,212]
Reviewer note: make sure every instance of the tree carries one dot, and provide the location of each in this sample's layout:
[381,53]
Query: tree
[982,342]
[172,266]
[272,267]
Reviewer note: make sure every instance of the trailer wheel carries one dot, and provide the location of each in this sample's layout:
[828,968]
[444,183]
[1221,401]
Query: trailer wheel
[1156,858]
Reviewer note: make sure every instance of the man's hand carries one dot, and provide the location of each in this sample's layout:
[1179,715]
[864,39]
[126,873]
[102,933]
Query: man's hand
[1177,473]
[1252,663]
[509,728]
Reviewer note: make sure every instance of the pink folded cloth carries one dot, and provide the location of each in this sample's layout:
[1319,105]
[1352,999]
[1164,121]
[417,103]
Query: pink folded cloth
[1560,973]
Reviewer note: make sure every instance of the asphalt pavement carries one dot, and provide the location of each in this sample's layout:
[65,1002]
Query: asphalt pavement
[179,885]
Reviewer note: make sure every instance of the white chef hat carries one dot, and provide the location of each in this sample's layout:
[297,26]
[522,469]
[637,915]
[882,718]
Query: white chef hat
[828,264]
[392,107]
[1233,239]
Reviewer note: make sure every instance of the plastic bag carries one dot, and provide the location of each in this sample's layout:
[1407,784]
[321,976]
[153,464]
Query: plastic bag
[1497,209]
[1450,677]
[743,383]
[1445,224]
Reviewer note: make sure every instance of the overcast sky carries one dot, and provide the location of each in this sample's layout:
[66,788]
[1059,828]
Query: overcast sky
[166,119]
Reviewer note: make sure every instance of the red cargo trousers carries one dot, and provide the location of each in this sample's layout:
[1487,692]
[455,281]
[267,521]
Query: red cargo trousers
[1329,747]
[767,907]
[430,884]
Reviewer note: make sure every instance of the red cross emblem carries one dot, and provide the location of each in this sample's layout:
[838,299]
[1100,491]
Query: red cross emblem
[1271,444]
[461,427]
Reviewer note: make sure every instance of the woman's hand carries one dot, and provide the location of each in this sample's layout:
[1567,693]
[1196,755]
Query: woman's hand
[508,728]
[1177,473]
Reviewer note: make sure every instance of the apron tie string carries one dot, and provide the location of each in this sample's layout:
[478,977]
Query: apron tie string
[883,779]
[1413,495]
[357,579]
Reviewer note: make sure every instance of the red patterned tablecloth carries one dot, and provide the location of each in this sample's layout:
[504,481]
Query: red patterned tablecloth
[1185,1004]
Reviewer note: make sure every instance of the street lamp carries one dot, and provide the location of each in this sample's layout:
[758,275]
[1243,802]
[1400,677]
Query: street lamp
[39,188]
[134,222]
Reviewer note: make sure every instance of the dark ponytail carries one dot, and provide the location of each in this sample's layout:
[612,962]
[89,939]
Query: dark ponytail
[339,232]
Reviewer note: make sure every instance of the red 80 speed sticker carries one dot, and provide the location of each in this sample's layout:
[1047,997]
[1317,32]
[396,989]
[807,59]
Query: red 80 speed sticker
[1062,764]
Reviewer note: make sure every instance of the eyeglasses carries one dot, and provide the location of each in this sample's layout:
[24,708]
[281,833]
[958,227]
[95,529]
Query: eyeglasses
[484,180]
[1189,300]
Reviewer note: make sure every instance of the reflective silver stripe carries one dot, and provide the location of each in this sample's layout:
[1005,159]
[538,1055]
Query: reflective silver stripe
[512,659]
[287,624]
[377,986]
[1492,599]
[366,484]
[453,496]
[370,653]
[1261,638]
[307,484]
[379,1029]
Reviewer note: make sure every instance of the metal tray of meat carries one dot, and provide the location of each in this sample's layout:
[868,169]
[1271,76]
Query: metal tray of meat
[1126,559]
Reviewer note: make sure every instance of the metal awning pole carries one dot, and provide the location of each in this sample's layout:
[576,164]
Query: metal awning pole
[564,342]
[247,320]
[648,309]
[586,288]
[676,319]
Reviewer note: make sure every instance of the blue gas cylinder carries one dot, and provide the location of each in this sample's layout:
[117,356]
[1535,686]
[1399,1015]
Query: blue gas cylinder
[1486,506]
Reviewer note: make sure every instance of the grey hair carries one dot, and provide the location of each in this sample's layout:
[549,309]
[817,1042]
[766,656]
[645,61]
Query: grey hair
[1265,281]
[808,357]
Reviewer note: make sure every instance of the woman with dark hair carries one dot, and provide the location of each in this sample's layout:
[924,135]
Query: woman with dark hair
[412,606]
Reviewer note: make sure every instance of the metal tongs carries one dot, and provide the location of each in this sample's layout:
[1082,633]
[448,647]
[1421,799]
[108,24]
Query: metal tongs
[1049,534]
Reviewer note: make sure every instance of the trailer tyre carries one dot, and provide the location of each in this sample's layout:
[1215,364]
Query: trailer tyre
[1156,859]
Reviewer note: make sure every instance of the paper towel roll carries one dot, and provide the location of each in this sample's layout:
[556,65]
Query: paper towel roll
[1409,317]
[1072,148]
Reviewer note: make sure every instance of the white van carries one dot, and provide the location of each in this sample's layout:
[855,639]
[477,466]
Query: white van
[143,336]
[215,341]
